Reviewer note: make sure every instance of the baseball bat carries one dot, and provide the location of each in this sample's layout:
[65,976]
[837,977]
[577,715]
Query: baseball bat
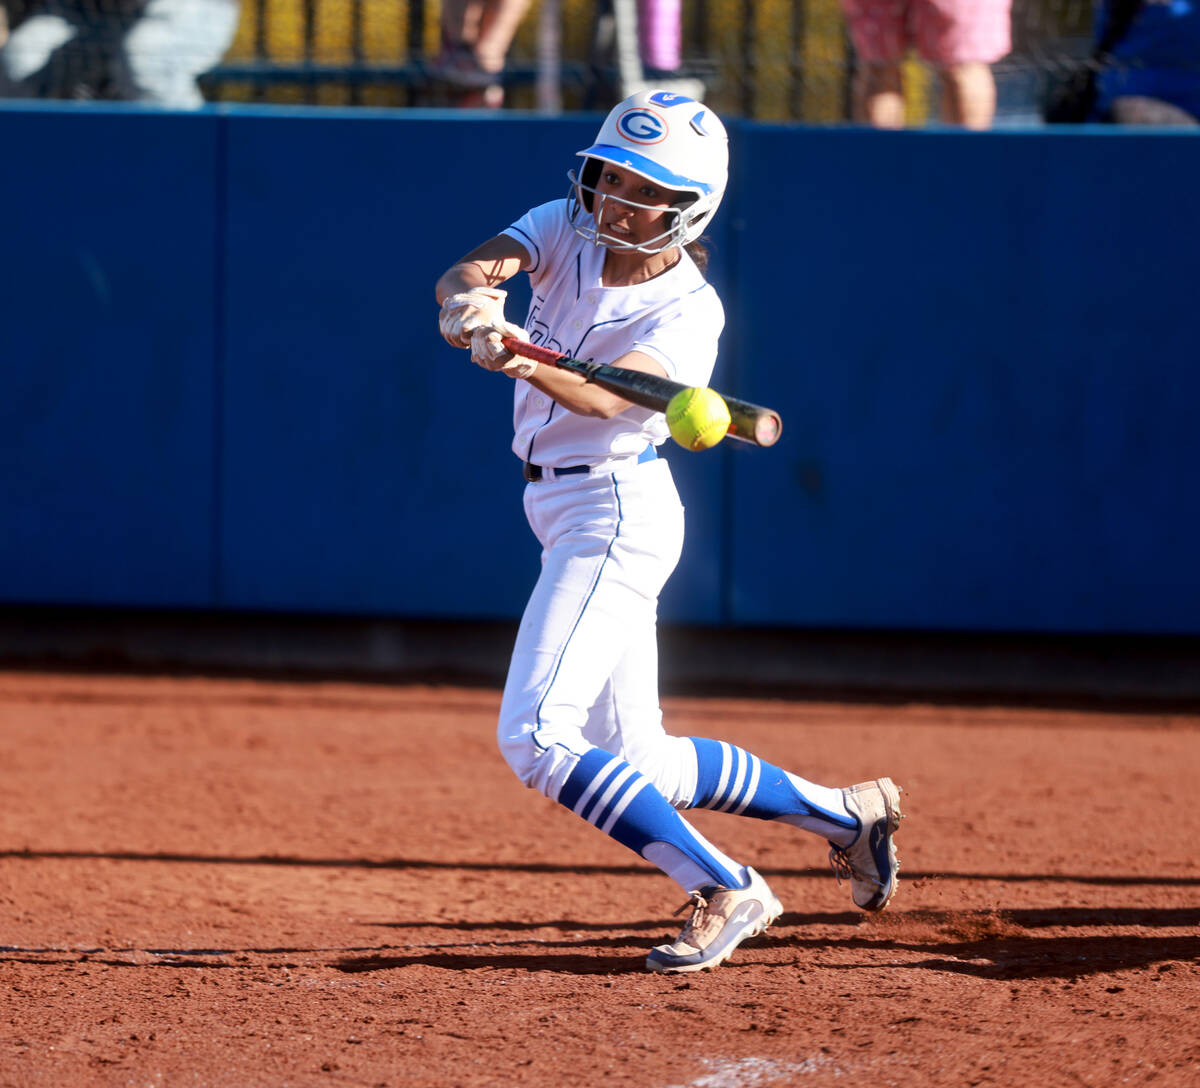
[747,422]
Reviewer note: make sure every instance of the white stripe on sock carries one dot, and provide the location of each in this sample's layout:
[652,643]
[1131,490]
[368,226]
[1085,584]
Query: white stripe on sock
[614,788]
[619,808]
[752,788]
[735,790]
[593,786]
[726,764]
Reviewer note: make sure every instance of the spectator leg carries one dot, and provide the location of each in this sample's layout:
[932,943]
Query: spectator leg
[460,24]
[968,95]
[497,29]
[879,95]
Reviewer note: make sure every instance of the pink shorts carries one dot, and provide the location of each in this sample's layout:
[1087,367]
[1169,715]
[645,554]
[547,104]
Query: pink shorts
[944,32]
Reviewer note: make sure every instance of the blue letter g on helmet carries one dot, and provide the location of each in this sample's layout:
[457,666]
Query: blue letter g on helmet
[642,126]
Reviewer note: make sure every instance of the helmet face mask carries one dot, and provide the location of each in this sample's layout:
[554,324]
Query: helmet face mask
[589,198]
[673,141]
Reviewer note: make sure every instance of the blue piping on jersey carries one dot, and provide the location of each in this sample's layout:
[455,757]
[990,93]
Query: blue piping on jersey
[578,619]
[531,246]
[578,352]
[534,437]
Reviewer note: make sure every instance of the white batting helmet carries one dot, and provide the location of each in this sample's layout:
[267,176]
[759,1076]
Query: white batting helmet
[669,138]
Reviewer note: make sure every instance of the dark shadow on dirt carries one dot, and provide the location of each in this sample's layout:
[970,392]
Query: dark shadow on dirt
[982,944]
[999,944]
[1061,957]
[521,926]
[579,964]
[418,864]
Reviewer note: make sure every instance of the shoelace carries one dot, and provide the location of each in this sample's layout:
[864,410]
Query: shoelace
[839,860]
[699,905]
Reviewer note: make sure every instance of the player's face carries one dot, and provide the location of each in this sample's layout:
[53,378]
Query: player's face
[632,209]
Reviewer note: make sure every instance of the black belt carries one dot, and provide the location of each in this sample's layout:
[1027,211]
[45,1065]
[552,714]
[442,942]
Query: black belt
[533,472]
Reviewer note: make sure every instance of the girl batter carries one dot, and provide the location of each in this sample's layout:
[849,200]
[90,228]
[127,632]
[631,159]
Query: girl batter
[617,276]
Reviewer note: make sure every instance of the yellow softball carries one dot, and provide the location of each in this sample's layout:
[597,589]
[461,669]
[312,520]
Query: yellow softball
[698,418]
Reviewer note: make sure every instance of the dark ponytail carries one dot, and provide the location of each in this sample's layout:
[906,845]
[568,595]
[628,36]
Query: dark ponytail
[698,251]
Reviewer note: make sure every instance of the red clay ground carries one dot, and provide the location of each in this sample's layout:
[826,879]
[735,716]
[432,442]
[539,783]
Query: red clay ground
[251,883]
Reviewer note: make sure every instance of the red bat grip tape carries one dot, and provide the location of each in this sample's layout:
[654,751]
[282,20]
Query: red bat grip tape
[535,352]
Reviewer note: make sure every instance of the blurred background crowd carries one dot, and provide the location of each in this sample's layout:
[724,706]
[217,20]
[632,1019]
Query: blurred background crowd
[889,63]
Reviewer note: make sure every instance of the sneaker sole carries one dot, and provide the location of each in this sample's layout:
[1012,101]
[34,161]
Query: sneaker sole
[760,926]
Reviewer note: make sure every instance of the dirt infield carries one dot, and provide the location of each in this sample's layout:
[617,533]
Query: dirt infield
[236,882]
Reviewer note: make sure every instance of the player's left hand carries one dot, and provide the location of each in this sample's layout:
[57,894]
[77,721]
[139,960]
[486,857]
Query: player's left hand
[463,313]
[488,350]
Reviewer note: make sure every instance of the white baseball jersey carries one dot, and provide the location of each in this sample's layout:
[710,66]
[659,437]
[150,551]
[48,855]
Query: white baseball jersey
[676,318]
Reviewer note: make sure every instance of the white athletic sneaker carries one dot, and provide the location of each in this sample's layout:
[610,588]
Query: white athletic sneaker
[721,919]
[870,862]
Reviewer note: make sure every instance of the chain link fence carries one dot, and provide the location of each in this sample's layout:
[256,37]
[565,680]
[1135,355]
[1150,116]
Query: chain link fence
[775,60]
[778,60]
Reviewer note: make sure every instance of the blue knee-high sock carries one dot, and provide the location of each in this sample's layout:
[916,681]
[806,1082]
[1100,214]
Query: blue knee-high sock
[730,779]
[623,803]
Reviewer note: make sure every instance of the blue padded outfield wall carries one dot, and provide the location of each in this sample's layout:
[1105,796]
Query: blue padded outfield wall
[223,386]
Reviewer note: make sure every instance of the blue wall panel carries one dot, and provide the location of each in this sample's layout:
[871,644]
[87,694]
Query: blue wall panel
[107,325]
[223,386]
[367,466]
[362,455]
[987,381]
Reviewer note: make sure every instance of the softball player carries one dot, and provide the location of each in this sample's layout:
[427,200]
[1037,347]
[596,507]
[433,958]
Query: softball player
[617,277]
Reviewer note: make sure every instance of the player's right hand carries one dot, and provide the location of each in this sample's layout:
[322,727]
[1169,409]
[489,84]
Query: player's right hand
[462,314]
[489,352]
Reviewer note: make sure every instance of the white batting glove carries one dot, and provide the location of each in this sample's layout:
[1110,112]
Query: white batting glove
[488,350]
[463,313]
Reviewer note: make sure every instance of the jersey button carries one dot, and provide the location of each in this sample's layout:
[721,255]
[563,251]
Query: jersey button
[579,324]
[539,402]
